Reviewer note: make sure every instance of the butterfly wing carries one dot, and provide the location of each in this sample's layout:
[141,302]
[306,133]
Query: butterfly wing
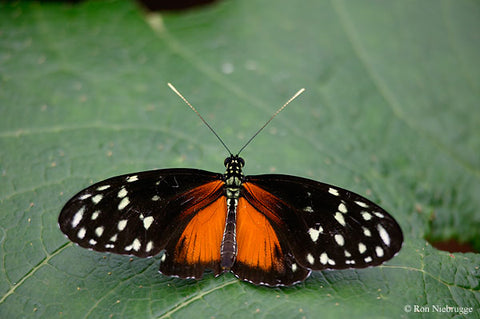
[324,226]
[143,213]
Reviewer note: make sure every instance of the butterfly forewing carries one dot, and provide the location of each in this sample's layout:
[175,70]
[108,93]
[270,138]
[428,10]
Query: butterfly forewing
[137,213]
[326,227]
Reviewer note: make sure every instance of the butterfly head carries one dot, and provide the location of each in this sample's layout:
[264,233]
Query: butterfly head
[234,165]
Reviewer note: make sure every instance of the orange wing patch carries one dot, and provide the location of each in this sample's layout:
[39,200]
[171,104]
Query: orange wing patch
[257,242]
[202,237]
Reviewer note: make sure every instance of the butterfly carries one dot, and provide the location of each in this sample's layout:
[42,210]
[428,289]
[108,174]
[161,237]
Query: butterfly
[270,229]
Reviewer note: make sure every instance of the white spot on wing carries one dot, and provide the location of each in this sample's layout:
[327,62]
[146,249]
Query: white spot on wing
[324,258]
[164,256]
[149,246]
[99,231]
[310,259]
[147,222]
[97,198]
[366,215]
[347,254]
[122,193]
[123,203]
[102,188]
[95,215]
[81,233]
[361,204]
[122,224]
[109,246]
[379,251]
[368,259]
[113,238]
[340,219]
[132,178]
[92,242]
[85,196]
[333,191]
[314,233]
[308,209]
[362,248]
[383,235]
[366,232]
[378,214]
[155,198]
[294,267]
[135,245]
[342,208]
[339,239]
[77,217]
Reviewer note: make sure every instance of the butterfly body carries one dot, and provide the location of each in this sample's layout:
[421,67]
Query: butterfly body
[267,229]
[234,179]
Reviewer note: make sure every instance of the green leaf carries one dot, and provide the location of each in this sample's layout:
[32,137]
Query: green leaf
[391,112]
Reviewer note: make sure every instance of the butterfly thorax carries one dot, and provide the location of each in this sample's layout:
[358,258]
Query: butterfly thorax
[233,181]
[233,176]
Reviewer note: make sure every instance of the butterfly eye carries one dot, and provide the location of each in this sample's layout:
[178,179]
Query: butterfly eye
[227,161]
[241,161]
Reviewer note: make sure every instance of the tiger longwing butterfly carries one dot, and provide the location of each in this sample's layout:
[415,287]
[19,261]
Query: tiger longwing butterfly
[267,229]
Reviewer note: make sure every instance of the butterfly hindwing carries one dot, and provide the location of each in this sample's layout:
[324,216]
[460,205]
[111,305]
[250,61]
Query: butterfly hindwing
[196,245]
[326,227]
[138,213]
[263,256]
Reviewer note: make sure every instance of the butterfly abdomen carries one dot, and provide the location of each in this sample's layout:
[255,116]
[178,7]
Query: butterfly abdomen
[228,251]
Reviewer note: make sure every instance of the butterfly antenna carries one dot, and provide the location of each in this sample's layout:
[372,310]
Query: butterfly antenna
[170,85]
[273,116]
